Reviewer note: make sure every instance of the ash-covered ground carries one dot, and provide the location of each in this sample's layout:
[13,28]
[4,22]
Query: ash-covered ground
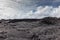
[30,29]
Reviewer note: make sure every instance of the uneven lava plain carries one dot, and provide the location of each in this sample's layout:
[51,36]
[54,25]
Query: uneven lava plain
[47,28]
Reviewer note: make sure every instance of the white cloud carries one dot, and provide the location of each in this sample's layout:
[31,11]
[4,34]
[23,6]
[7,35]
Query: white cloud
[11,9]
[47,11]
[14,8]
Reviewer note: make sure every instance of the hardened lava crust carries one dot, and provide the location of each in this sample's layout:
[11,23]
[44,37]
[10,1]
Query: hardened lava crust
[47,28]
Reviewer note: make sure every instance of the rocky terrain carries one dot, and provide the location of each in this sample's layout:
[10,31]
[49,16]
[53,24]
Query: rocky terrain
[30,29]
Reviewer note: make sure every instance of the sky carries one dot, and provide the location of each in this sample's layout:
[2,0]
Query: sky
[29,9]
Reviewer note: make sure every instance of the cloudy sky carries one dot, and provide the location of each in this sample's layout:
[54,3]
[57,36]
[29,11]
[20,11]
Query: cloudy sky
[20,9]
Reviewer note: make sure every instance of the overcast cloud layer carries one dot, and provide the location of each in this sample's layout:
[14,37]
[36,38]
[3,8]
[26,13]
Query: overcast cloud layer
[19,9]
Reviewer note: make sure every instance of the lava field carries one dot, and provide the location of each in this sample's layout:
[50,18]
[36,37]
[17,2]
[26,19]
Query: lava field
[30,29]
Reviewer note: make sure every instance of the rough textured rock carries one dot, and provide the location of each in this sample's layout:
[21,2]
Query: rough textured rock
[30,29]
